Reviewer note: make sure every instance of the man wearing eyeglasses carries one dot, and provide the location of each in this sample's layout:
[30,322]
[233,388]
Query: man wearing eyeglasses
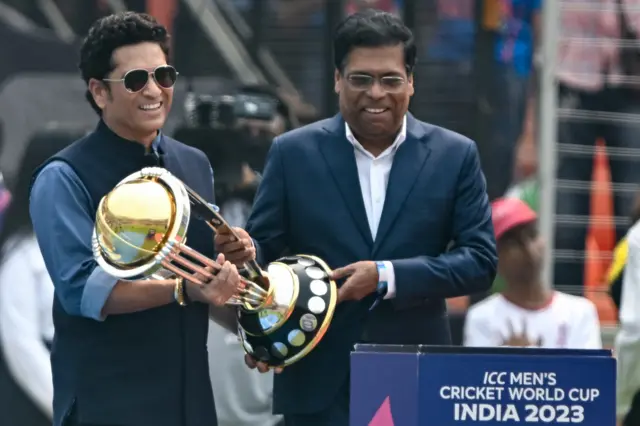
[125,353]
[379,195]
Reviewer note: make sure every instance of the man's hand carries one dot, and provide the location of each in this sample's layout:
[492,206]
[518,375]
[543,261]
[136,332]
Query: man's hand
[236,251]
[261,366]
[220,288]
[362,281]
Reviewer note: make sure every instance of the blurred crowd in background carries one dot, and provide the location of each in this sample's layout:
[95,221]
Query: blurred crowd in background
[253,69]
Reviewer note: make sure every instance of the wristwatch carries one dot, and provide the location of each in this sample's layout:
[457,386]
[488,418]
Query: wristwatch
[382,287]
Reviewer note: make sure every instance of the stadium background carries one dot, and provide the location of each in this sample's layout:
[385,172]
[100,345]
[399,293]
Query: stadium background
[223,45]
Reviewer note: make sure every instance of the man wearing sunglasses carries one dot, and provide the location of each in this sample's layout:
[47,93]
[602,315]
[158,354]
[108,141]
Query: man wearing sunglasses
[380,196]
[125,353]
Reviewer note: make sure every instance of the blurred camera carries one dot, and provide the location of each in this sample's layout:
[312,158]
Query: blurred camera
[225,111]
[235,132]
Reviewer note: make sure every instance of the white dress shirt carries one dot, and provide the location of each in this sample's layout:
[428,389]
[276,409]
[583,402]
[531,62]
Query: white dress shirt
[627,345]
[26,322]
[373,173]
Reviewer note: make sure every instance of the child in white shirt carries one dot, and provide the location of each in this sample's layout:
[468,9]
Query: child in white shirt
[528,312]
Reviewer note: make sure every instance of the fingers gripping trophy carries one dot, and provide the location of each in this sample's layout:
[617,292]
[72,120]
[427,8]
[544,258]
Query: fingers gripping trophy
[140,233]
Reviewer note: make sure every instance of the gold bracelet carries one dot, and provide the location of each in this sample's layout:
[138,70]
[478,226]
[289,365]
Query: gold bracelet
[178,291]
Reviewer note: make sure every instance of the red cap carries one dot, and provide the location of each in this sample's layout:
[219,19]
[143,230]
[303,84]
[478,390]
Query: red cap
[507,213]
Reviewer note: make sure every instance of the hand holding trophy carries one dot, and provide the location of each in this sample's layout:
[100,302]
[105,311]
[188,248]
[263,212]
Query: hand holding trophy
[222,288]
[240,251]
[283,312]
[236,245]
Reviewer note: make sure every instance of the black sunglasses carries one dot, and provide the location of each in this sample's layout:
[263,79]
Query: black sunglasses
[135,80]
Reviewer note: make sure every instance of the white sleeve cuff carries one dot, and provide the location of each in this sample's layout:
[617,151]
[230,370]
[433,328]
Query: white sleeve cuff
[387,273]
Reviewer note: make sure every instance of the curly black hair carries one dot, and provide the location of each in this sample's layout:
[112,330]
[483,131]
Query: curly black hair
[108,34]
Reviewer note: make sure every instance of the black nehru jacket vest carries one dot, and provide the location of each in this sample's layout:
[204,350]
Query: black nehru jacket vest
[142,369]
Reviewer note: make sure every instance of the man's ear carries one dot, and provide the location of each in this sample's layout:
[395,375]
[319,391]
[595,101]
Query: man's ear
[100,92]
[411,87]
[337,77]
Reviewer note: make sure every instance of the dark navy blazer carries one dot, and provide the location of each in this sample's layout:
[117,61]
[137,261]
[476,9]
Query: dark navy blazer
[310,202]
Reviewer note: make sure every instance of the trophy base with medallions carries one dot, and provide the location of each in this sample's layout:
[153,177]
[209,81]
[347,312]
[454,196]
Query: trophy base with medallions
[302,309]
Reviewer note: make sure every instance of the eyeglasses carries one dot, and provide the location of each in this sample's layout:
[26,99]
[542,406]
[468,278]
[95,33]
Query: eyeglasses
[135,80]
[388,83]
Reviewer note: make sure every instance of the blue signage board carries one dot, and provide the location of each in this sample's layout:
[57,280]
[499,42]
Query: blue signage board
[490,389]
[384,385]
[518,389]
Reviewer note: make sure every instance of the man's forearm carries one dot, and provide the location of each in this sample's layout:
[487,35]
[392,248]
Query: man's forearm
[134,296]
[529,125]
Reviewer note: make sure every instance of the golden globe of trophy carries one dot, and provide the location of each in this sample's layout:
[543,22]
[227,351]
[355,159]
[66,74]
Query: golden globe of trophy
[140,233]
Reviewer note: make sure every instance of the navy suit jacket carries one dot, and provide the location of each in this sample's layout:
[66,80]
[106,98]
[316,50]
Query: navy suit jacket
[435,228]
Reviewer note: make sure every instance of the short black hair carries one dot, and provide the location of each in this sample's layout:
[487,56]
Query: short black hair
[373,28]
[111,32]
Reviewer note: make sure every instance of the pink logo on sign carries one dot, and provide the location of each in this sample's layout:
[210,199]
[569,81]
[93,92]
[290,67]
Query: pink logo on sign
[383,416]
